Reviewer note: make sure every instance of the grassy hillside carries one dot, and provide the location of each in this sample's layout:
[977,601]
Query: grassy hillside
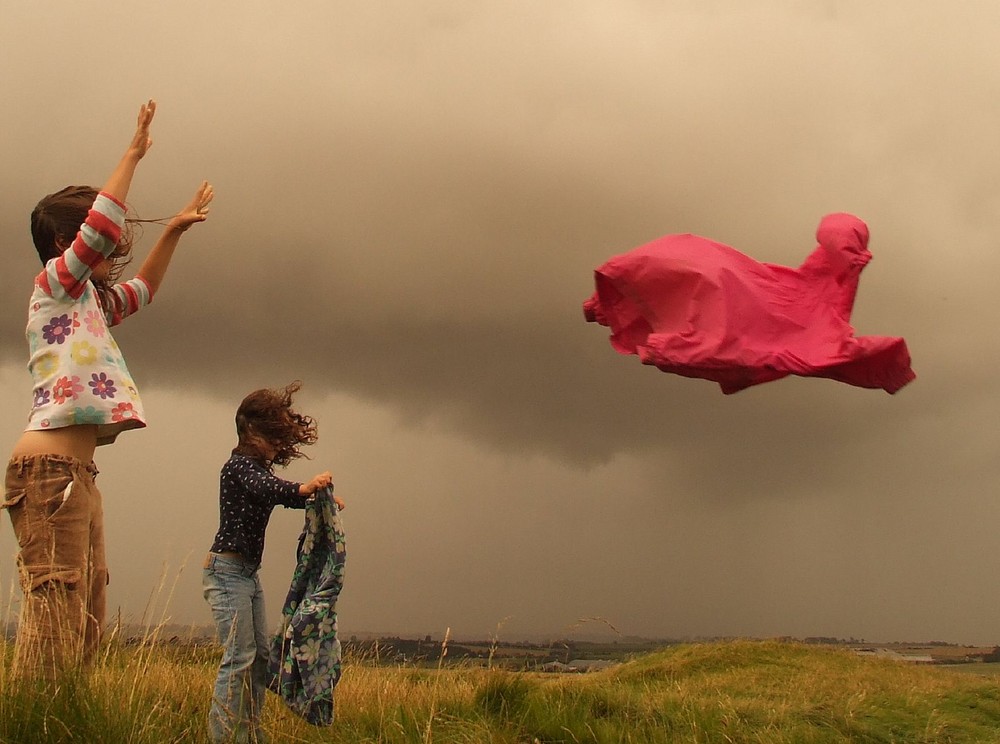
[741,691]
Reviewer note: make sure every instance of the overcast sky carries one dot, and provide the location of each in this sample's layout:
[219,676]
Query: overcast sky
[410,202]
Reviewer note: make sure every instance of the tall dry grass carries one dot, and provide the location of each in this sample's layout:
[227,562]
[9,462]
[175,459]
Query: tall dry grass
[146,690]
[741,692]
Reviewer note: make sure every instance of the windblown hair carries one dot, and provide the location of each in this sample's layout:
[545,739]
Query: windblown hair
[265,418]
[55,222]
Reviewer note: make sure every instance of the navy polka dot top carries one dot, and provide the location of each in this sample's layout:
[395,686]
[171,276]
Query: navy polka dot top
[248,493]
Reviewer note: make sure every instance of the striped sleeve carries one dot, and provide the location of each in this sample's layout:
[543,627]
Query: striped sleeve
[129,297]
[98,237]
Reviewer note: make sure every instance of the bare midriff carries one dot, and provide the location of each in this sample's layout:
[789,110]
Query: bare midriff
[78,441]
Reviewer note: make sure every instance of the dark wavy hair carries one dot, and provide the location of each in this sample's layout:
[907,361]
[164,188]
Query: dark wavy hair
[265,419]
[56,220]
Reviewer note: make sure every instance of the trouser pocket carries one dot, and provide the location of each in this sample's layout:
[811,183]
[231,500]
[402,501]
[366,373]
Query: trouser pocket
[52,525]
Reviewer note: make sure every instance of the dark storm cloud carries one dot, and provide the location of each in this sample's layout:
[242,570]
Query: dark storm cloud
[411,199]
[416,222]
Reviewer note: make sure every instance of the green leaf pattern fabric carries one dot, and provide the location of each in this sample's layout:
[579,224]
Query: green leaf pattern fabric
[305,655]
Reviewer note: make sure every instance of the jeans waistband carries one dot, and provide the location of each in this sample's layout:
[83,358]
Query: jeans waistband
[236,565]
[50,461]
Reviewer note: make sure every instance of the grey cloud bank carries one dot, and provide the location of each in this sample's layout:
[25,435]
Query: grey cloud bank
[410,205]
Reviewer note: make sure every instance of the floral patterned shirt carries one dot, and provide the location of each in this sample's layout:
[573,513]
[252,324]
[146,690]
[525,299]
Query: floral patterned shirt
[304,664]
[78,370]
[248,493]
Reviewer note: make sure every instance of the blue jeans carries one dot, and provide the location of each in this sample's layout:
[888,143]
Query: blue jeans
[232,589]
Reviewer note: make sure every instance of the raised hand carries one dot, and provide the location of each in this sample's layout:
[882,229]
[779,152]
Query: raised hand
[141,141]
[196,210]
[120,180]
[155,266]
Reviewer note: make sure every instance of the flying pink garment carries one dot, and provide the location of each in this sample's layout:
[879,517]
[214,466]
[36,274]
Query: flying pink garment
[698,308]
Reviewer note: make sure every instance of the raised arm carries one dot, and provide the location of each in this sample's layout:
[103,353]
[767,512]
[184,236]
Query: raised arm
[120,180]
[99,234]
[155,266]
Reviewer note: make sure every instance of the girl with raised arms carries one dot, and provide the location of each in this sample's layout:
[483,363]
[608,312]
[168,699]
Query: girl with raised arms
[84,396]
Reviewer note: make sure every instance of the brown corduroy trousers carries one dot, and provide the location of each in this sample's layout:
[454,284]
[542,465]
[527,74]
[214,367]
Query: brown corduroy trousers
[55,508]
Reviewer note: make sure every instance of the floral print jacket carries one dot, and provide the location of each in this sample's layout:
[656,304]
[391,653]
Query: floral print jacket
[305,660]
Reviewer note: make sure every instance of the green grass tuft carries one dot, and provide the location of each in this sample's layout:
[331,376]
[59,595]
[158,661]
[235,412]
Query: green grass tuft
[741,692]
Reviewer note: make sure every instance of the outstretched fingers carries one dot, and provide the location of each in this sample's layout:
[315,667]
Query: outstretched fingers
[203,198]
[146,112]
[142,141]
[196,210]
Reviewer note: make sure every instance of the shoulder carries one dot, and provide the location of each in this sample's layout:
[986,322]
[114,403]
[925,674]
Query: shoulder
[232,465]
[238,463]
[235,461]
[47,289]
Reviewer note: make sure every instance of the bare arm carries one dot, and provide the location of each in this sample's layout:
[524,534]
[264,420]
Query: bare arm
[101,230]
[154,268]
[120,180]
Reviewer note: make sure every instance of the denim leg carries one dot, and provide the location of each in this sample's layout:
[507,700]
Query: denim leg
[261,659]
[234,598]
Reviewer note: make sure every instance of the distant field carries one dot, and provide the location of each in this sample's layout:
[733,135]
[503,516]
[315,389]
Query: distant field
[989,669]
[739,692]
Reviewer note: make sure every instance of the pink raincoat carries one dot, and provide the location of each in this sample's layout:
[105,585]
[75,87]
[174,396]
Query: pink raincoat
[698,308]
